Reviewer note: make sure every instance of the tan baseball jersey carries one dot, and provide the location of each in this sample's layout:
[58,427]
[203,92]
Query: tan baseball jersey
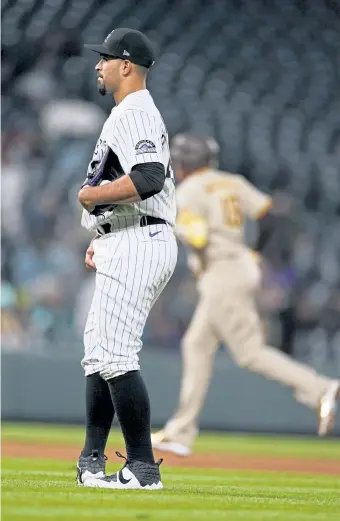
[212,207]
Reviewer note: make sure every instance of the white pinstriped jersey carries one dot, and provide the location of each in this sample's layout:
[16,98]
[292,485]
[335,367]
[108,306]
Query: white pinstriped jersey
[135,133]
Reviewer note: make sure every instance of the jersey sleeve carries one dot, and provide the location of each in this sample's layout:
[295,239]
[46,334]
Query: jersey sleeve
[191,222]
[136,139]
[255,204]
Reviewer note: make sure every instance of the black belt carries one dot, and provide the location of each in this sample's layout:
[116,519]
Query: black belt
[146,220]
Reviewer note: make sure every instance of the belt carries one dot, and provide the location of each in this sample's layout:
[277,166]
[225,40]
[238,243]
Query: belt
[146,220]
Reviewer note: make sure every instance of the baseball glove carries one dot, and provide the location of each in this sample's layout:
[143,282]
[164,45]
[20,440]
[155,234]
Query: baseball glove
[104,167]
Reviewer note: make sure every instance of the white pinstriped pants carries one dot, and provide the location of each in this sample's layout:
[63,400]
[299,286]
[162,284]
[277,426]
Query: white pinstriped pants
[133,266]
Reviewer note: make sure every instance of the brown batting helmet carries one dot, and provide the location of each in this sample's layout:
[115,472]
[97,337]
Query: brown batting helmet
[191,152]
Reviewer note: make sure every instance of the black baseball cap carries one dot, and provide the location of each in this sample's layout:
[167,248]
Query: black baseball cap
[127,44]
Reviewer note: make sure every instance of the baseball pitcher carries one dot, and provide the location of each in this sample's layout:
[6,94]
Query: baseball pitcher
[129,202]
[212,207]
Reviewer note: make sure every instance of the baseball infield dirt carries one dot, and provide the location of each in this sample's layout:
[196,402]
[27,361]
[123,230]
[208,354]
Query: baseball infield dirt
[210,460]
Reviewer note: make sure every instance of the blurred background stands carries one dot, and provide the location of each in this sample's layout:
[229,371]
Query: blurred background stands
[260,76]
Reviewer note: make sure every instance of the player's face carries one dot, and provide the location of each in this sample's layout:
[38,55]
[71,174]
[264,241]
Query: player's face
[108,74]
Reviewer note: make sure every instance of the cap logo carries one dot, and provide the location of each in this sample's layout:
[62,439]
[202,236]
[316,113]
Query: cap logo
[125,53]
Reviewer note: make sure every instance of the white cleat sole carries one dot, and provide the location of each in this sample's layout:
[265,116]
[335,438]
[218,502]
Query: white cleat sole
[173,447]
[88,475]
[98,483]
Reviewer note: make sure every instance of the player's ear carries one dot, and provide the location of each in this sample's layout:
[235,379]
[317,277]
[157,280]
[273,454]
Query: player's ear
[126,67]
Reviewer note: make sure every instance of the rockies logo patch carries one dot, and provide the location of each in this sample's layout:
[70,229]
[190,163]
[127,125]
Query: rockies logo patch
[145,147]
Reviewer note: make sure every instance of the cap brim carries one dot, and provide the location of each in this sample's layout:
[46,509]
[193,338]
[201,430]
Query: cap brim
[100,49]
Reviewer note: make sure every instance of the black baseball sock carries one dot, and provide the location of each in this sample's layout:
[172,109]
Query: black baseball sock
[131,402]
[99,414]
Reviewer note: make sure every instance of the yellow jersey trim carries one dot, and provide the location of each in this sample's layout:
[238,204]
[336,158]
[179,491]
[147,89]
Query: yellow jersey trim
[192,228]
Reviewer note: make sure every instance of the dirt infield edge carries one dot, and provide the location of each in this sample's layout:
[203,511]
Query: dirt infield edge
[212,460]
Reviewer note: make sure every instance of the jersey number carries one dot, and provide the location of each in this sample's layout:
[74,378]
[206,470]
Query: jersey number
[169,171]
[232,214]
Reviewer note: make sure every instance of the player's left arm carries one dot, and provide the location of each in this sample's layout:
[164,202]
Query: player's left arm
[137,143]
[254,203]
[259,206]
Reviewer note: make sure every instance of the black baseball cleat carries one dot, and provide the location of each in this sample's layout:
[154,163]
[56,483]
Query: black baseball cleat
[134,475]
[90,467]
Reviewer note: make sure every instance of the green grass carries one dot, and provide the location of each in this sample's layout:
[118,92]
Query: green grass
[237,444]
[43,489]
[37,489]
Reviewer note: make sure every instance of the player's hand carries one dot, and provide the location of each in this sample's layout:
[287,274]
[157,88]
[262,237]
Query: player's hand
[84,197]
[89,263]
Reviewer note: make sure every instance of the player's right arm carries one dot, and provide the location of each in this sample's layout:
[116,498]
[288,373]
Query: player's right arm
[191,223]
[192,226]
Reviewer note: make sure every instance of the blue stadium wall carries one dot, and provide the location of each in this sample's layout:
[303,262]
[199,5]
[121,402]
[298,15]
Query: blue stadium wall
[51,389]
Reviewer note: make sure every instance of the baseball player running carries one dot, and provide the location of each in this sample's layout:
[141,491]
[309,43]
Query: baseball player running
[212,207]
[129,201]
